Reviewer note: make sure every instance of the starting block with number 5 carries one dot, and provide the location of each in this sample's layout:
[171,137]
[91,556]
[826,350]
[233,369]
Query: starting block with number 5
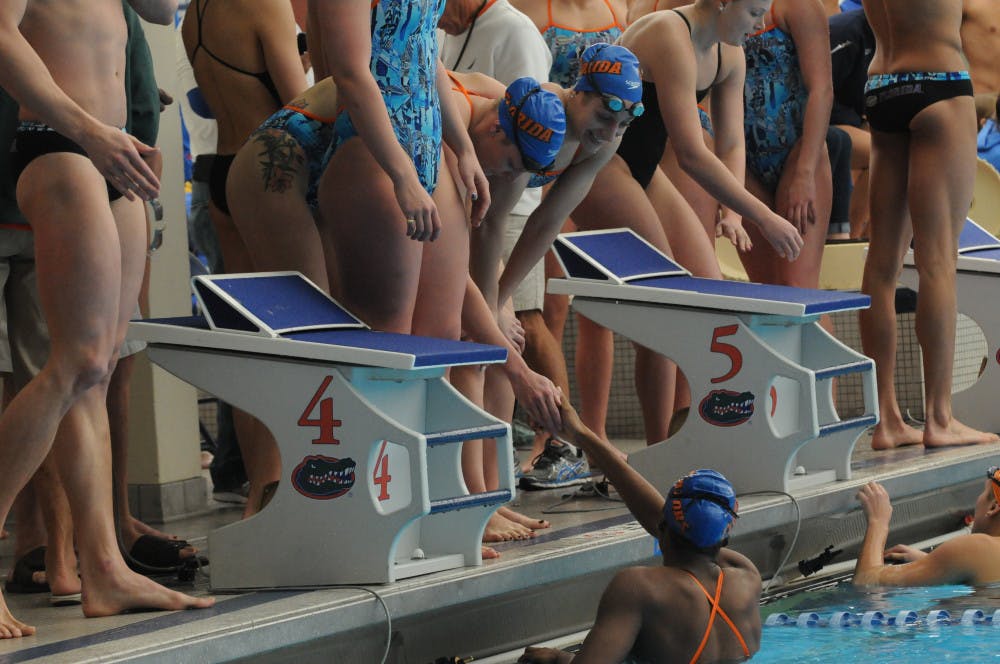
[369,431]
[760,367]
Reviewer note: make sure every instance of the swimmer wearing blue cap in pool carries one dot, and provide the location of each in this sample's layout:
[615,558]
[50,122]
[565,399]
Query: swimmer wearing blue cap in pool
[973,559]
[701,605]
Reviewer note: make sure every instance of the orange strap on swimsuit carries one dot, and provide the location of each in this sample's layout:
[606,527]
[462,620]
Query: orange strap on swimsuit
[614,21]
[456,85]
[716,610]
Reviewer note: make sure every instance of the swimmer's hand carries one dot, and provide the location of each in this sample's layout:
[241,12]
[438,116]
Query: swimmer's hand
[902,553]
[784,237]
[875,503]
[511,326]
[417,207]
[534,655]
[730,226]
[539,397]
[476,185]
[119,157]
[797,202]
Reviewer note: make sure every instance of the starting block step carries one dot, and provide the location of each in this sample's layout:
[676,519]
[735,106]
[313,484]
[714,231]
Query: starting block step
[760,367]
[372,488]
[977,280]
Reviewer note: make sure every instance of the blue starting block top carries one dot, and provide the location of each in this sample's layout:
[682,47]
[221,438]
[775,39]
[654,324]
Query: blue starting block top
[978,250]
[604,259]
[269,304]
[285,314]
[345,346]
[617,255]
[975,238]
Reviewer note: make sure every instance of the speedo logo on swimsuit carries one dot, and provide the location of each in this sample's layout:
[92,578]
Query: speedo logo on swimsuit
[886,95]
[600,67]
[527,125]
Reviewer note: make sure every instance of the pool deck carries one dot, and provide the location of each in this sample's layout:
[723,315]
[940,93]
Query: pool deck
[537,590]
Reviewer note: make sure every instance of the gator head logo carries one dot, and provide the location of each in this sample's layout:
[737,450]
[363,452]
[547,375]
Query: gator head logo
[725,408]
[323,478]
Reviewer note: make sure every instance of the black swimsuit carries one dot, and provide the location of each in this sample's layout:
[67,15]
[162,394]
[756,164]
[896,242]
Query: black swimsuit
[220,166]
[645,139]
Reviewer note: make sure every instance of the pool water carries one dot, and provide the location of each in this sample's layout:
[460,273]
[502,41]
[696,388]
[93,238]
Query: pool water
[898,645]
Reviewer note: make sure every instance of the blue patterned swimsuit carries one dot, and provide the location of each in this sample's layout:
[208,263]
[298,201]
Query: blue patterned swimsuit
[313,134]
[566,45]
[404,64]
[775,97]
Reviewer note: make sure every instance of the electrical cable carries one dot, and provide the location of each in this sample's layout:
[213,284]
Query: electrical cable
[795,537]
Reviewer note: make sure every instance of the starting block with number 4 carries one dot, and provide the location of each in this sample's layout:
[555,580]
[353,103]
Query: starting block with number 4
[760,367]
[369,431]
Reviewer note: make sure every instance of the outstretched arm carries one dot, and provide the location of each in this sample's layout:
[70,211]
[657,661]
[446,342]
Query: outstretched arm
[544,223]
[949,563]
[675,75]
[536,393]
[641,497]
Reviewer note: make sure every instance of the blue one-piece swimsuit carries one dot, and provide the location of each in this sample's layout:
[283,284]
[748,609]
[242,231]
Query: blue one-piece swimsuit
[566,45]
[775,97]
[313,134]
[404,64]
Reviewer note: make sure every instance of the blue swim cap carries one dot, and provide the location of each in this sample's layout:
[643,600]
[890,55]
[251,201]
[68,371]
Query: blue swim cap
[701,508]
[540,126]
[612,70]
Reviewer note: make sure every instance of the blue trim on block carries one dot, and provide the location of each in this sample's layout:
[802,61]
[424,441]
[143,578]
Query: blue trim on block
[462,435]
[862,422]
[472,500]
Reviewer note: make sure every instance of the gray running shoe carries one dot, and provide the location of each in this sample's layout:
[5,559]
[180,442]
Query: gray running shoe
[559,465]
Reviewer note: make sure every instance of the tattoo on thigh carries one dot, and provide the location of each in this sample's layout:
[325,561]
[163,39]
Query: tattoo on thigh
[280,161]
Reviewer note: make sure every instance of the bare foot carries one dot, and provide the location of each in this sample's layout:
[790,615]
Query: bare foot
[123,590]
[11,627]
[523,519]
[489,553]
[887,437]
[142,528]
[500,529]
[61,571]
[4,534]
[957,434]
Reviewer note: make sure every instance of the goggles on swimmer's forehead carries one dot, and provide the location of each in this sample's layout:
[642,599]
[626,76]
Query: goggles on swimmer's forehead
[614,103]
[530,165]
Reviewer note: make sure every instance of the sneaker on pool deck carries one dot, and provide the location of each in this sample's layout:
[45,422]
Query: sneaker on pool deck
[234,496]
[559,465]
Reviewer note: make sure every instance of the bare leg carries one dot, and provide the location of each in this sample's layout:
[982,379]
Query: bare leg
[890,235]
[861,147]
[556,307]
[118,404]
[615,198]
[761,262]
[88,284]
[378,267]
[942,176]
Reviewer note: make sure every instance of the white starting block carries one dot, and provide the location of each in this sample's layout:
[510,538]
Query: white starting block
[977,284]
[759,365]
[369,431]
